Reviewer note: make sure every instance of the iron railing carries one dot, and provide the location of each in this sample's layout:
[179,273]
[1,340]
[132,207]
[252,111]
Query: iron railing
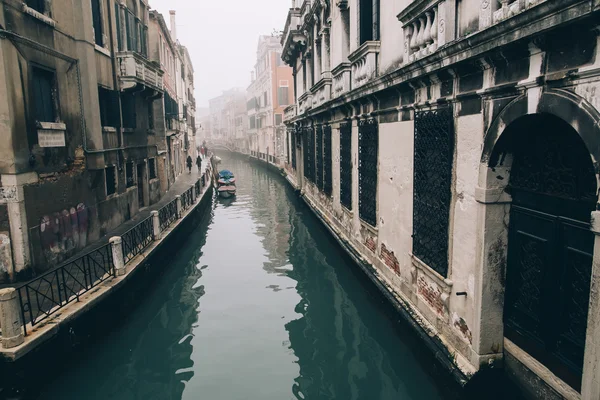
[167,215]
[327,174]
[346,165]
[197,188]
[53,290]
[186,199]
[368,144]
[137,239]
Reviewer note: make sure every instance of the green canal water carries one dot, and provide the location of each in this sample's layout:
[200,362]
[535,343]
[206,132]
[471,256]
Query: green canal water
[259,303]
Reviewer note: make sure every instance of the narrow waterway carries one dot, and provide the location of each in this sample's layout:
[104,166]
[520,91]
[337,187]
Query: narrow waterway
[260,303]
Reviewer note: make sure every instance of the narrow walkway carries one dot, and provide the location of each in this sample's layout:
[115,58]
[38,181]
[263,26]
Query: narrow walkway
[182,183]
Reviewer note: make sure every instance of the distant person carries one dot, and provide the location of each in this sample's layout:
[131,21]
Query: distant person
[199,162]
[189,164]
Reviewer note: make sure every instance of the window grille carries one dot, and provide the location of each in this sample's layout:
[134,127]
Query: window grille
[111,180]
[346,165]
[327,173]
[152,168]
[319,156]
[368,144]
[293,147]
[433,156]
[309,153]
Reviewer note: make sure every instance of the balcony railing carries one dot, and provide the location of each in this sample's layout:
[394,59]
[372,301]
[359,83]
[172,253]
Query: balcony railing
[364,63]
[321,92]
[289,112]
[304,103]
[508,8]
[341,80]
[427,27]
[136,70]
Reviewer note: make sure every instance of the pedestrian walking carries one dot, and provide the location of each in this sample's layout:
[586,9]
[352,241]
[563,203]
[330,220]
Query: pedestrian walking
[189,164]
[199,162]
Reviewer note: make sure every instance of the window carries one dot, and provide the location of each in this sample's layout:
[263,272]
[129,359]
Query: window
[368,144]
[111,180]
[309,153]
[293,148]
[346,165]
[319,156]
[97,22]
[151,114]
[128,108]
[252,120]
[129,178]
[44,95]
[152,168]
[327,177]
[368,20]
[278,119]
[109,107]
[283,95]
[265,99]
[433,157]
[37,5]
[119,32]
[131,29]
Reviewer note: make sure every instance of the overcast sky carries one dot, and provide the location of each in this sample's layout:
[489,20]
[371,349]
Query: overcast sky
[221,36]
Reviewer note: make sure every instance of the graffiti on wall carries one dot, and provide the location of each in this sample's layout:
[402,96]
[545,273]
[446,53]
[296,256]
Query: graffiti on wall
[63,233]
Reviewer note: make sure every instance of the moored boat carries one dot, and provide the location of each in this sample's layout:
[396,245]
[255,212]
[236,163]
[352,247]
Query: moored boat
[226,184]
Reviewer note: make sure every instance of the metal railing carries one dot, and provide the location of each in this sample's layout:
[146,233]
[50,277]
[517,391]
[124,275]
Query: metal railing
[55,289]
[137,239]
[45,295]
[167,215]
[186,199]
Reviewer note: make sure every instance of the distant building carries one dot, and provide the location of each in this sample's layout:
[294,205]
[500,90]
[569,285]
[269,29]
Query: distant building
[270,91]
[225,115]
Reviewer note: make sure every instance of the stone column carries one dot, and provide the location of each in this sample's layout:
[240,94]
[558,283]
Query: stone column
[590,386]
[156,234]
[179,207]
[117,253]
[10,318]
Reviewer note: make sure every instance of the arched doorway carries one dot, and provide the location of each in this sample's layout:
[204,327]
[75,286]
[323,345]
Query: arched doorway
[550,246]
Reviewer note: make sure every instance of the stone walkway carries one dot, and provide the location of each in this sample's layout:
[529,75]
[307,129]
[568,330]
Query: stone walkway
[182,183]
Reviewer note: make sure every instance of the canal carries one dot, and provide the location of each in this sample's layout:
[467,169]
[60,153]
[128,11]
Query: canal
[258,303]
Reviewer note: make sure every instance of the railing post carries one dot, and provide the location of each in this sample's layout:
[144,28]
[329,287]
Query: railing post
[10,318]
[155,225]
[117,253]
[179,208]
[194,194]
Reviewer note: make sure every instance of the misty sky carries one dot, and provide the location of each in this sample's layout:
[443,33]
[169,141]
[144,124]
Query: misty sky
[221,36]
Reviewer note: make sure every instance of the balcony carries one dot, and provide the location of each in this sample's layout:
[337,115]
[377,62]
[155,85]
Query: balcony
[363,63]
[304,103]
[321,92]
[341,80]
[135,70]
[507,8]
[289,113]
[427,25]
[293,39]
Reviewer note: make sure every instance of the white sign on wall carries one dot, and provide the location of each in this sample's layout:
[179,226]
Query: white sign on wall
[51,138]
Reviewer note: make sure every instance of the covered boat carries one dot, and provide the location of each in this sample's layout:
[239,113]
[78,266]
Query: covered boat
[226,184]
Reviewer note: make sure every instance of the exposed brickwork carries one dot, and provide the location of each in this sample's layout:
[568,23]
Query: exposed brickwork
[431,294]
[389,258]
[370,243]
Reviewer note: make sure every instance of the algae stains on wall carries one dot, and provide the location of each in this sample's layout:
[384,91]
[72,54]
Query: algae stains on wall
[63,233]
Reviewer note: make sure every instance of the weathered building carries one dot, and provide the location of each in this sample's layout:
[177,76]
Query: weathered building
[453,146]
[78,150]
[224,113]
[270,91]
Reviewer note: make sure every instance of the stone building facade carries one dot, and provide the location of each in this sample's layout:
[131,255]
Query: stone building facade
[452,147]
[82,126]
[270,91]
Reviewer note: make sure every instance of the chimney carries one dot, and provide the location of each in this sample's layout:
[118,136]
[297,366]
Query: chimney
[173,26]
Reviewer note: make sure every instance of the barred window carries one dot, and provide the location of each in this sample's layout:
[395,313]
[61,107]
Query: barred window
[327,178]
[346,165]
[434,152]
[129,178]
[152,168]
[368,144]
[293,145]
[309,153]
[319,156]
[111,180]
